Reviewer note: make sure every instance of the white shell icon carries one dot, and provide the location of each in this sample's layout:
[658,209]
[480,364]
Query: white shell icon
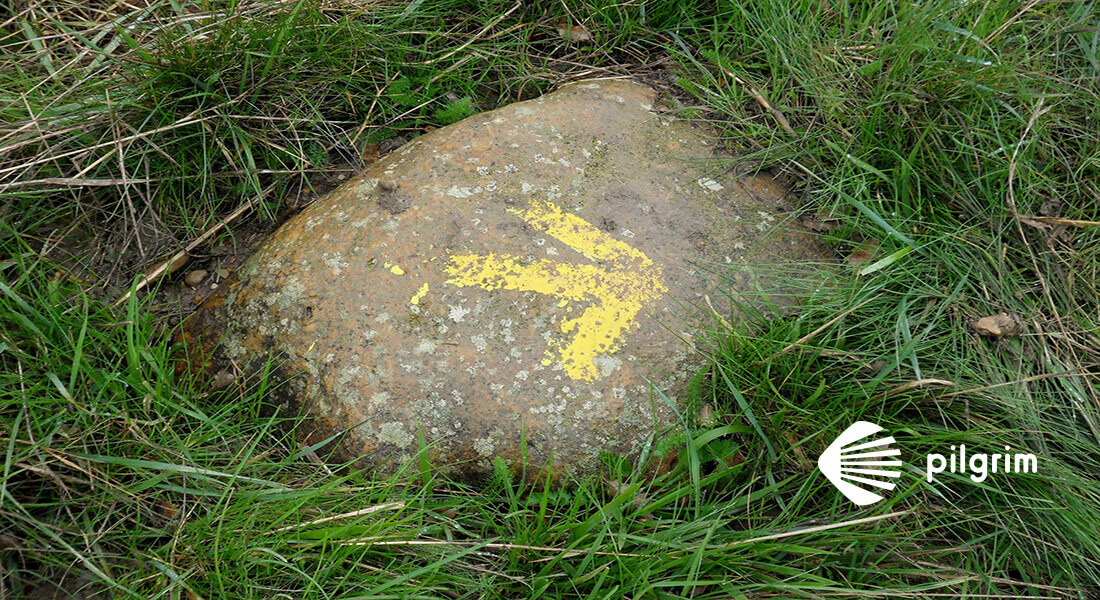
[842,462]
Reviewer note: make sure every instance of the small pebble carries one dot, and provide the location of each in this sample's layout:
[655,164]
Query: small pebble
[388,185]
[195,277]
[1000,325]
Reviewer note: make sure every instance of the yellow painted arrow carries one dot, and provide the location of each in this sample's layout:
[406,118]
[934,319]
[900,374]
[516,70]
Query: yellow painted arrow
[618,292]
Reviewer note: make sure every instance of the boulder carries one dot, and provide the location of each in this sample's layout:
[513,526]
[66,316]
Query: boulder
[517,285]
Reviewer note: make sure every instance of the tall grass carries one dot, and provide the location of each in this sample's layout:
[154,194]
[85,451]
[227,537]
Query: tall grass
[947,151]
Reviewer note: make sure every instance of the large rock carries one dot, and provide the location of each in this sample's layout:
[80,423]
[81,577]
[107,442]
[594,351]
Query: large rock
[517,282]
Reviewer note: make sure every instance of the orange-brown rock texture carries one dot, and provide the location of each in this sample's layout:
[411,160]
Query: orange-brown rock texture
[526,274]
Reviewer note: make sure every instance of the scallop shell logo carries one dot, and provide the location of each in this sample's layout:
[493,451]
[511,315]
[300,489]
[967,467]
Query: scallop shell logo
[842,463]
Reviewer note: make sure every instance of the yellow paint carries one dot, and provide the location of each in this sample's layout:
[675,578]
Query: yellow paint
[617,290]
[423,291]
[396,270]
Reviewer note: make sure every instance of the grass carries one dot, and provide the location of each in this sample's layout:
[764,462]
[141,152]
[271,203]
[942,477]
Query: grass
[950,150]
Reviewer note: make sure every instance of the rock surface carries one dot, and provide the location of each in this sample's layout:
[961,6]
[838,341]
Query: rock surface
[513,283]
[999,325]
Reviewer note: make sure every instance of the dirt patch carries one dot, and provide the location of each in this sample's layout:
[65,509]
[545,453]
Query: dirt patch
[104,254]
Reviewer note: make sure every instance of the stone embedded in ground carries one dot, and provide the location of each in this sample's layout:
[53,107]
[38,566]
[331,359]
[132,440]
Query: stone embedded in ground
[513,283]
[999,325]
